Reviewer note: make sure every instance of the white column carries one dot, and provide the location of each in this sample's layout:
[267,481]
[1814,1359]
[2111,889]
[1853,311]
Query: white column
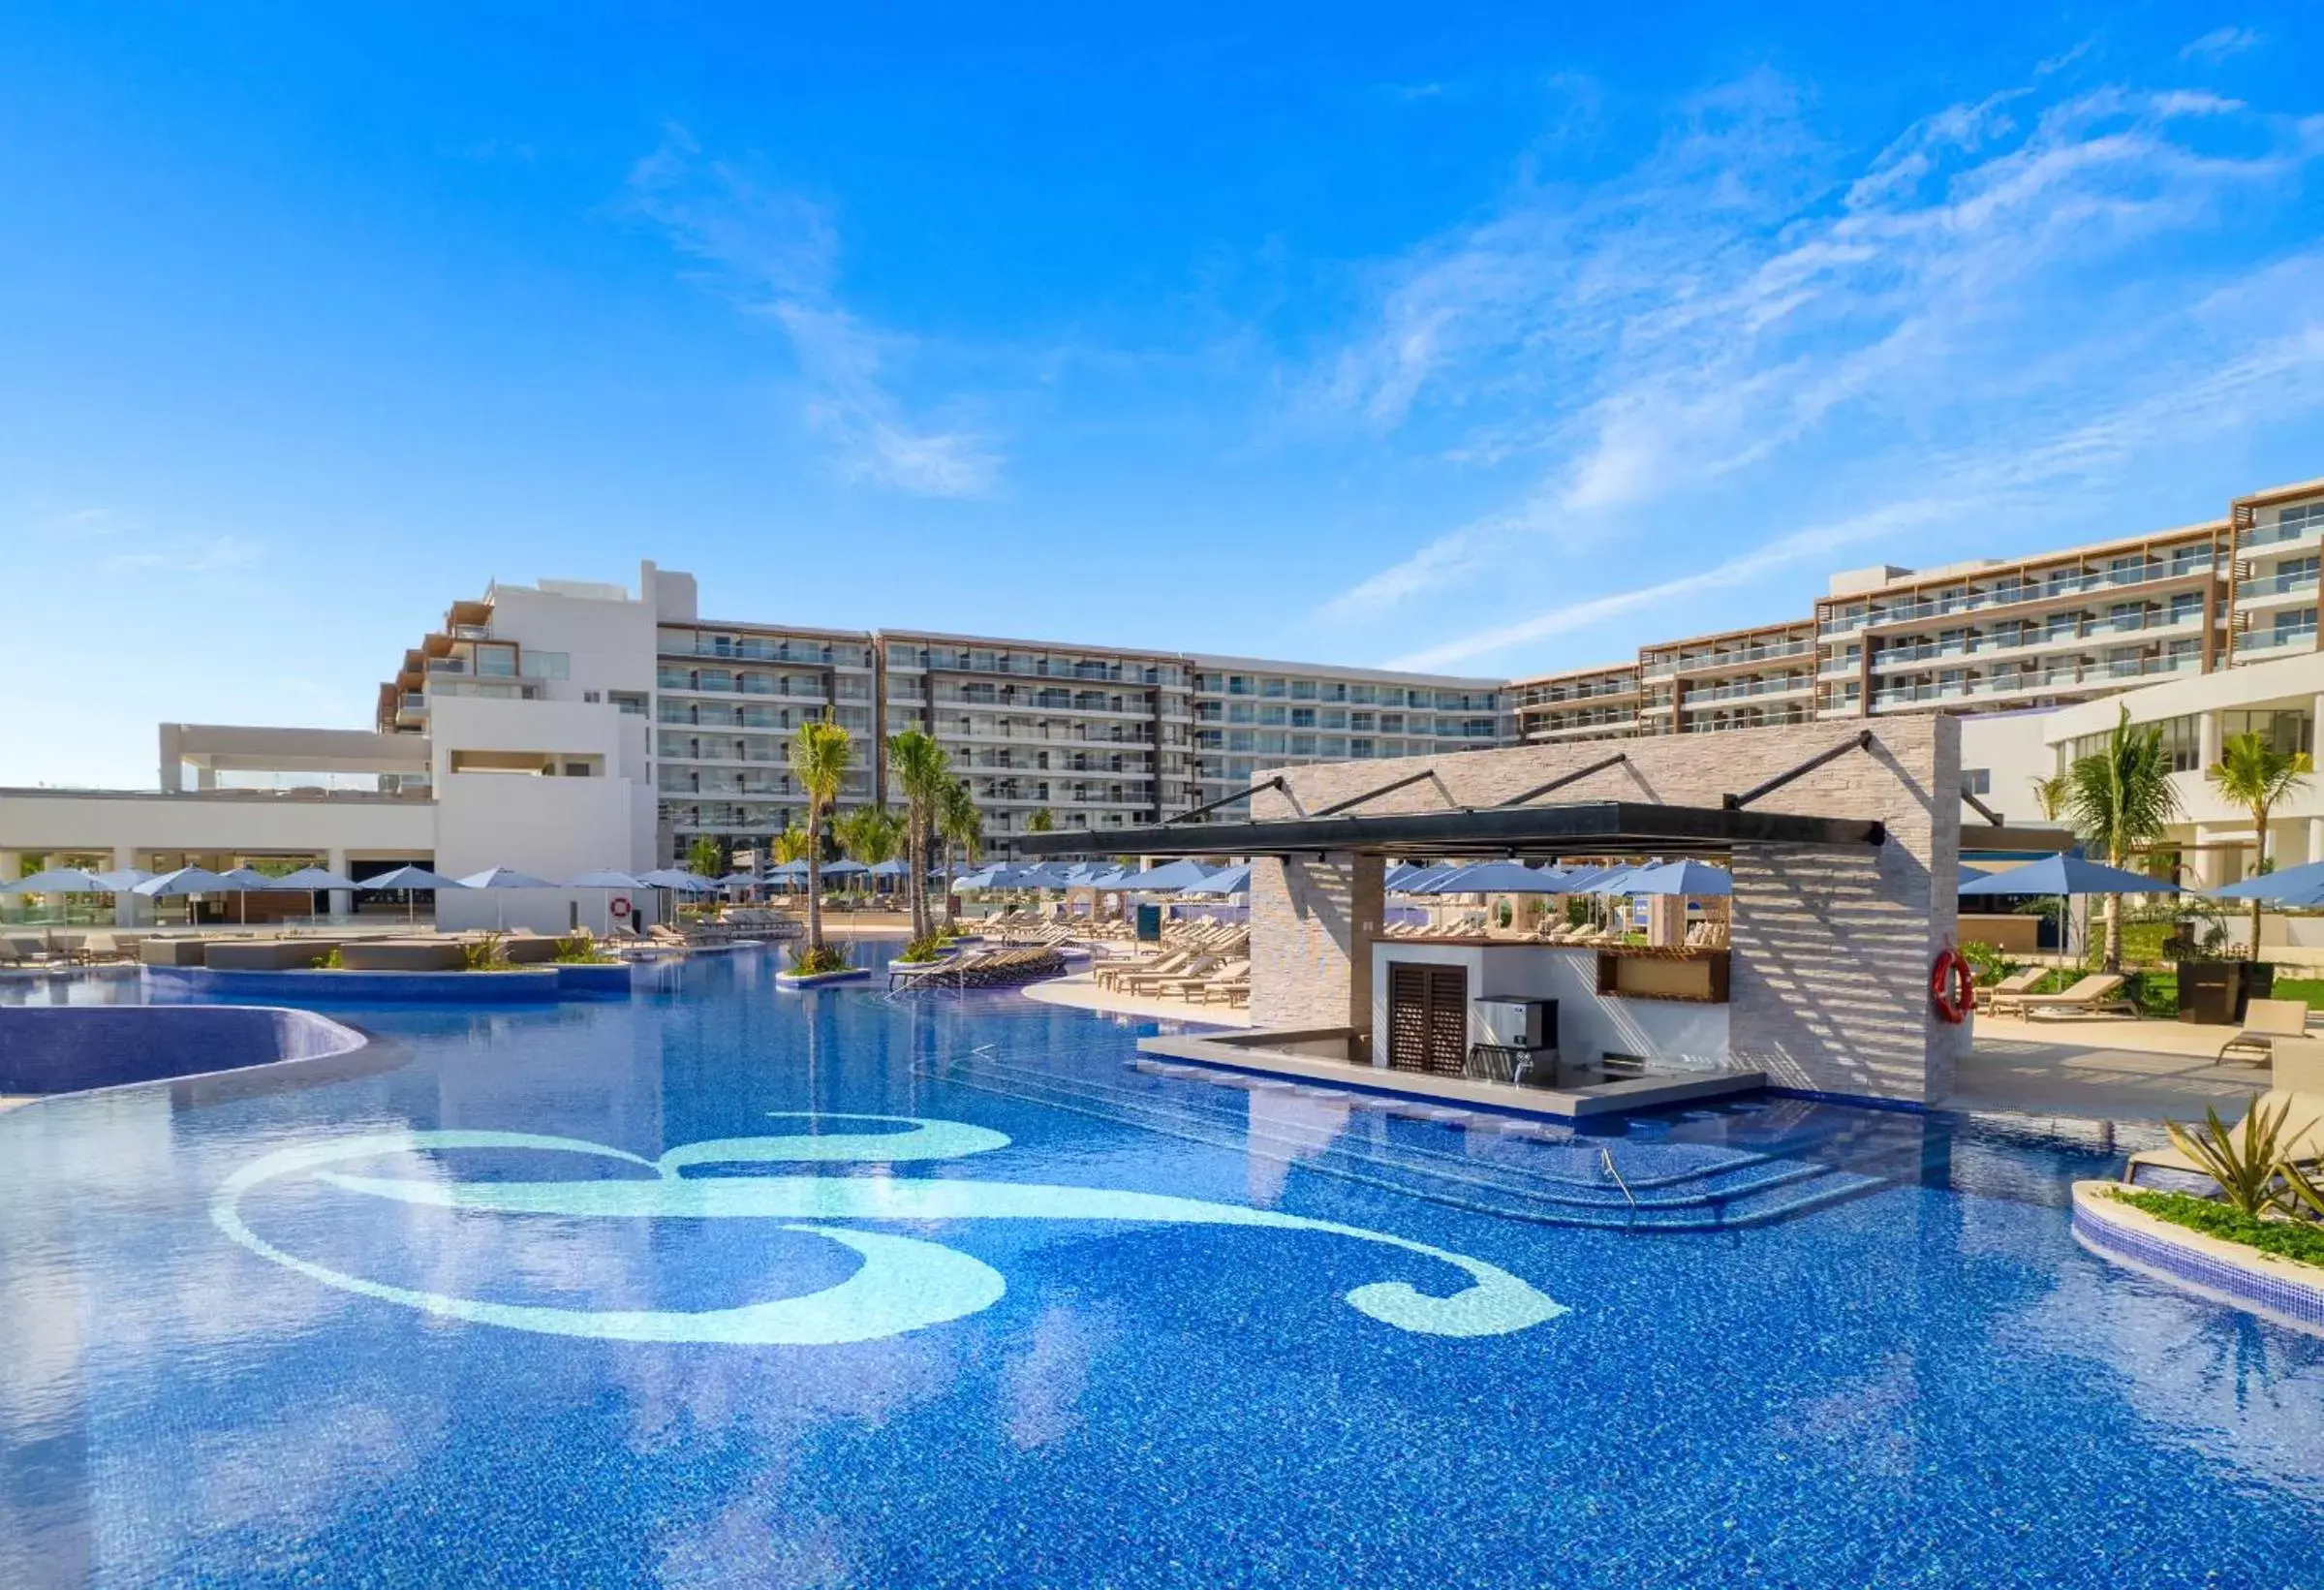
[342,901]
[2315,839]
[205,778]
[11,865]
[130,910]
[2208,868]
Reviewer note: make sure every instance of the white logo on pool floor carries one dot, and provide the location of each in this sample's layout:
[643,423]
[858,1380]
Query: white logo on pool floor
[903,1284]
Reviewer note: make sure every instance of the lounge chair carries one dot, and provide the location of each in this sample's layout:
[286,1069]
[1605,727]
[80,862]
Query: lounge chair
[2299,1082]
[2265,1020]
[2010,986]
[2099,991]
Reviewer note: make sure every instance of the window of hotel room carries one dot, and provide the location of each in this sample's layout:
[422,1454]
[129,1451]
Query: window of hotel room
[2287,731]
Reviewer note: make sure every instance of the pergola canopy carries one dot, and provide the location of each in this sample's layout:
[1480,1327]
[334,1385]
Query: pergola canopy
[1588,828]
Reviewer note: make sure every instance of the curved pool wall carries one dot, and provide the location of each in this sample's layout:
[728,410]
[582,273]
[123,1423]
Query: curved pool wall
[2277,1288]
[67,1049]
[532,986]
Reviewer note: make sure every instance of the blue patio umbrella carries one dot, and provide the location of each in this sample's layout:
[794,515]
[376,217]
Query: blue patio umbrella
[503,878]
[1168,878]
[1227,881]
[888,869]
[312,879]
[1496,878]
[188,881]
[2070,875]
[680,879]
[122,880]
[605,879]
[2299,885]
[1687,877]
[1418,879]
[59,881]
[185,881]
[409,878]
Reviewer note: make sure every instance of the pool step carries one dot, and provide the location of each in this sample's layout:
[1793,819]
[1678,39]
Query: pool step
[1545,1175]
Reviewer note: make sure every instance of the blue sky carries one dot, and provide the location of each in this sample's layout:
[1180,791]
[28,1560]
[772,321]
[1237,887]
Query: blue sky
[1482,338]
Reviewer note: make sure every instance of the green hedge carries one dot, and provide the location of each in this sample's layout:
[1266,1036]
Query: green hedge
[2300,1239]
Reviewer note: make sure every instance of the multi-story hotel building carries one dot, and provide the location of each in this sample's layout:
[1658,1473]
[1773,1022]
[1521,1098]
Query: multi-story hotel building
[1094,736]
[1997,634]
[1583,703]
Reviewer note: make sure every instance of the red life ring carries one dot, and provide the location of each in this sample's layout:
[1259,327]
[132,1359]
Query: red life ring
[619,904]
[1952,986]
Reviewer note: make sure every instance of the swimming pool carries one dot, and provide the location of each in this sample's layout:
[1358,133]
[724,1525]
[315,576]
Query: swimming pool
[476,1306]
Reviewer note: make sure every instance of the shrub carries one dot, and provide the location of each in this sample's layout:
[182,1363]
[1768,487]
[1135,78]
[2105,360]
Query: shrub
[928,947]
[2301,1239]
[2244,1163]
[1987,964]
[814,962]
[483,955]
[330,962]
[579,949]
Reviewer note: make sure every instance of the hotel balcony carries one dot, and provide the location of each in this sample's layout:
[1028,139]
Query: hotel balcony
[2156,571]
[2282,539]
[2293,588]
[2078,636]
[1794,684]
[2267,644]
[1613,726]
[1664,664]
[2090,677]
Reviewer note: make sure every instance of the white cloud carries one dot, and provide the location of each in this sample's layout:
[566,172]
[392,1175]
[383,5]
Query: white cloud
[214,555]
[775,254]
[2219,44]
[1742,301]
[84,524]
[1797,548]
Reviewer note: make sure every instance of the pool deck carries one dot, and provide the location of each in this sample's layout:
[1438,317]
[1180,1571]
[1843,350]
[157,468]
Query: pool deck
[2106,1070]
[1079,992]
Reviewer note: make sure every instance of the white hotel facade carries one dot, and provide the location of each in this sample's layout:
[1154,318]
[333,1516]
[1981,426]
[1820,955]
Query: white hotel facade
[564,726]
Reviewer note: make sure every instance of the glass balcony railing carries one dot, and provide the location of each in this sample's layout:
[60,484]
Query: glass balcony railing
[2289,638]
[2100,630]
[1750,687]
[1661,666]
[2293,583]
[2280,532]
[2081,676]
[2008,596]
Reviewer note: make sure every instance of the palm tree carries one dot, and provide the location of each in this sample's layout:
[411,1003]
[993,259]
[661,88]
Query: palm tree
[961,823]
[790,844]
[2051,794]
[922,766]
[2120,797]
[820,755]
[704,856]
[868,834]
[2255,775]
[1040,820]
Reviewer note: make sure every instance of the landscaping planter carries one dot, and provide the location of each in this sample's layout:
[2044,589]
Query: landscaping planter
[2218,992]
[845,974]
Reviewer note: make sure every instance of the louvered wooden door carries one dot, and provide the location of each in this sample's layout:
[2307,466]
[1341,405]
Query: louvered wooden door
[1427,1018]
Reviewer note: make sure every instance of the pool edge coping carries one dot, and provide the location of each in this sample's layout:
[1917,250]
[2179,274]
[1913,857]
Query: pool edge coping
[2281,1291]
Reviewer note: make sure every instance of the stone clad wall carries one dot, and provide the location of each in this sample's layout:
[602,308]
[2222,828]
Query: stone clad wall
[1832,947]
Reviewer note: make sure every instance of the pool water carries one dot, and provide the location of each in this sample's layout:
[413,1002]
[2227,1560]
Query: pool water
[634,1293]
